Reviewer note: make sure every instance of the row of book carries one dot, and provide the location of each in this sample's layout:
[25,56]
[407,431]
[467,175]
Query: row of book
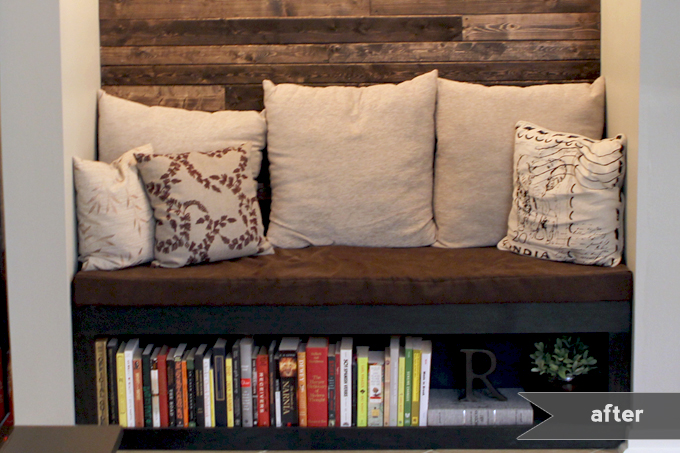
[289,382]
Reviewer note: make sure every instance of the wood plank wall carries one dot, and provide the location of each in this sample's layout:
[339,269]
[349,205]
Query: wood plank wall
[214,54]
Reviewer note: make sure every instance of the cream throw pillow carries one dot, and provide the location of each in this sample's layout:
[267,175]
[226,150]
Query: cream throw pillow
[124,125]
[115,221]
[351,166]
[567,203]
[205,206]
[475,141]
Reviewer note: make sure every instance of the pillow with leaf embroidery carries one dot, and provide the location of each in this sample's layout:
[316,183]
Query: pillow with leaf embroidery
[205,206]
[115,222]
[567,203]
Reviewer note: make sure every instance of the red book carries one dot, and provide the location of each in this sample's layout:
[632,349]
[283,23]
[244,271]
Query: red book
[317,381]
[163,386]
[139,392]
[262,369]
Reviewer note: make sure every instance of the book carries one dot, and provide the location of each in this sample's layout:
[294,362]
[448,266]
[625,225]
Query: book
[387,376]
[355,378]
[180,388]
[272,382]
[262,370]
[415,384]
[229,387]
[102,386]
[155,388]
[246,352]
[170,377]
[277,402]
[332,369]
[146,385]
[408,379]
[236,366]
[208,395]
[376,364]
[130,349]
[287,376]
[394,379]
[362,386]
[253,366]
[112,380]
[425,370]
[219,355]
[401,388]
[200,399]
[302,384]
[317,381]
[447,409]
[163,386]
[212,391]
[138,384]
[346,350]
[338,382]
[190,410]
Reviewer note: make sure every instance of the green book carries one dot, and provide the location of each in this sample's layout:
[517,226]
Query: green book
[408,380]
[362,386]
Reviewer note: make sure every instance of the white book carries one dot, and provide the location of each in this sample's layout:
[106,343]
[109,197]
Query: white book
[346,349]
[155,390]
[246,350]
[207,390]
[425,369]
[394,379]
[130,348]
[447,409]
[376,363]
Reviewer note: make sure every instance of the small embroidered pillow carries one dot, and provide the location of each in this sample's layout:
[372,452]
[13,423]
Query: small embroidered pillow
[205,206]
[567,203]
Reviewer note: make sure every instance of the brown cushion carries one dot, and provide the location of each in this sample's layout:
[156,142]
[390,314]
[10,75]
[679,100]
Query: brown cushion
[356,275]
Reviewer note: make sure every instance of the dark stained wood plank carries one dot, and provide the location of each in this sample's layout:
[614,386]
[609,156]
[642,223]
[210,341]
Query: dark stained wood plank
[208,9]
[353,53]
[184,32]
[434,7]
[346,73]
[209,98]
[531,26]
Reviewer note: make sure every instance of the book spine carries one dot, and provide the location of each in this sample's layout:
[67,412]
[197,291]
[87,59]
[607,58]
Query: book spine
[209,391]
[262,369]
[146,386]
[331,390]
[425,382]
[138,382]
[272,383]
[408,382]
[236,365]
[346,386]
[355,378]
[253,386]
[401,390]
[229,374]
[302,387]
[191,392]
[386,388]
[415,395]
[213,421]
[317,386]
[394,379]
[155,392]
[246,383]
[200,389]
[338,384]
[288,380]
[277,402]
[362,391]
[112,380]
[375,394]
[172,407]
[120,381]
[129,390]
[220,398]
[179,393]
[102,385]
[163,387]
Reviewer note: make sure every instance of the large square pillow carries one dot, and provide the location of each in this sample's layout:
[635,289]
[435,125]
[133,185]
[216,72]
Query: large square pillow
[475,130]
[115,221]
[351,165]
[124,125]
[205,206]
[567,203]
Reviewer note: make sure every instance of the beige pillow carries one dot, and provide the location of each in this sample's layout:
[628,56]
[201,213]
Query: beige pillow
[567,203]
[124,125]
[115,222]
[351,166]
[475,138]
[205,206]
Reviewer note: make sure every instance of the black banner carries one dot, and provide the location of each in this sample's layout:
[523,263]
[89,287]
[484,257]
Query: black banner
[605,416]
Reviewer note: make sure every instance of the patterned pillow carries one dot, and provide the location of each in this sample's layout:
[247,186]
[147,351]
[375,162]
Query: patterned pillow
[567,201]
[205,206]
[115,221]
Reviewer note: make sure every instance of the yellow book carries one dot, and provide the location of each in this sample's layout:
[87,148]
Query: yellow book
[362,386]
[415,395]
[212,392]
[229,373]
[401,387]
[120,380]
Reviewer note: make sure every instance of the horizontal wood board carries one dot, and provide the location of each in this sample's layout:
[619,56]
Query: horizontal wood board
[214,54]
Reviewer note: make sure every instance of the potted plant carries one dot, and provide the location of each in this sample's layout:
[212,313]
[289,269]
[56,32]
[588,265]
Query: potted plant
[562,361]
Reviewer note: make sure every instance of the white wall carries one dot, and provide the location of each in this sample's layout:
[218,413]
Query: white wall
[49,74]
[649,78]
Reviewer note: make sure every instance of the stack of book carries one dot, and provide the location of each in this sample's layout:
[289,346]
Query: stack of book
[291,382]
